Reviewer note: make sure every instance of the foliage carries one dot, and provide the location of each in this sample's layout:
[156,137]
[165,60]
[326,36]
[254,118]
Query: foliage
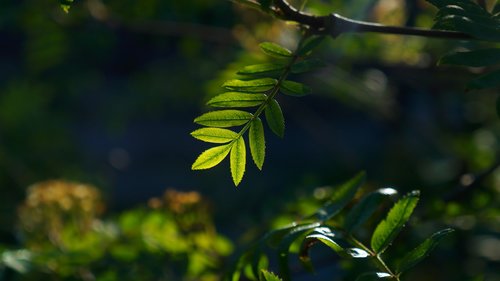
[64,238]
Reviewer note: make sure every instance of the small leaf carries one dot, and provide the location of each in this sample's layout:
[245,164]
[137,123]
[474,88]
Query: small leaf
[275,119]
[341,196]
[296,89]
[275,50]
[422,250]
[214,135]
[476,58]
[238,160]
[488,80]
[262,69]
[237,99]
[388,229]
[373,276]
[211,157]
[325,236]
[257,142]
[251,86]
[224,118]
[310,44]
[65,5]
[307,65]
[366,207]
[269,276]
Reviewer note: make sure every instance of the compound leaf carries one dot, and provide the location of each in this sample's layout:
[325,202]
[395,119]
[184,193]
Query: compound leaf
[224,118]
[250,86]
[211,157]
[214,135]
[296,89]
[422,250]
[237,99]
[257,142]
[274,118]
[238,160]
[366,207]
[275,50]
[389,228]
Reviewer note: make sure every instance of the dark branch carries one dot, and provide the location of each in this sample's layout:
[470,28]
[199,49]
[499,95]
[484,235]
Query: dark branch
[335,24]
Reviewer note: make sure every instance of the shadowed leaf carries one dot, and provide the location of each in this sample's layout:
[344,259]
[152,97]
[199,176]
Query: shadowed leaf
[275,119]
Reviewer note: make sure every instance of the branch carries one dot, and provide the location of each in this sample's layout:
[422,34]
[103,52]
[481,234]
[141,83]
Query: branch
[334,24]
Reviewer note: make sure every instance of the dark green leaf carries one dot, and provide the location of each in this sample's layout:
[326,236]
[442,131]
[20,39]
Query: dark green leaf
[214,135]
[275,50]
[237,99]
[238,160]
[476,58]
[488,80]
[307,65]
[341,196]
[269,276]
[388,229]
[224,118]
[422,250]
[251,86]
[325,236]
[257,142]
[268,69]
[274,118]
[211,157]
[310,44]
[296,89]
[366,207]
[373,276]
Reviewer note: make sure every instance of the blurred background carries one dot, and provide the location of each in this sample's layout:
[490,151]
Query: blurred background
[100,102]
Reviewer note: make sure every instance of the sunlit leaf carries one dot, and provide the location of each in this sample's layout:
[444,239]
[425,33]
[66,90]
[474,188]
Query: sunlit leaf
[237,99]
[214,135]
[275,50]
[275,119]
[211,157]
[257,142]
[65,5]
[224,118]
[422,250]
[250,86]
[296,89]
[366,207]
[269,276]
[269,69]
[310,44]
[18,260]
[488,80]
[340,197]
[238,160]
[476,58]
[389,228]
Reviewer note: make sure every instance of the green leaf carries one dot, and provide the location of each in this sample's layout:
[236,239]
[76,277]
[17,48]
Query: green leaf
[275,119]
[275,50]
[224,118]
[476,58]
[363,210]
[341,196]
[18,260]
[269,69]
[211,157]
[237,99]
[250,86]
[388,229]
[325,236]
[307,65]
[214,135]
[269,276]
[422,250]
[373,276]
[310,44]
[238,160]
[257,142]
[296,89]
[65,5]
[488,80]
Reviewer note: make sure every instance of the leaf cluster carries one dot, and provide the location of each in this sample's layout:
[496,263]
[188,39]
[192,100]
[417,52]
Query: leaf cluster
[335,226]
[244,102]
